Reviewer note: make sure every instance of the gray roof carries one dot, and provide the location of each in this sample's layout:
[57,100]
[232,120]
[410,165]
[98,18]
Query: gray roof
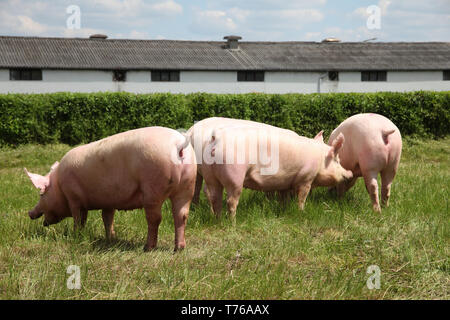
[77,53]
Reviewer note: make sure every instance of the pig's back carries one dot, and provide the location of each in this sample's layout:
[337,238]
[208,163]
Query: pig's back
[113,171]
[364,129]
[218,124]
[124,148]
[364,139]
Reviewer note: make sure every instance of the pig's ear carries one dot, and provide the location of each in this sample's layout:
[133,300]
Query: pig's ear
[54,166]
[319,136]
[337,144]
[40,182]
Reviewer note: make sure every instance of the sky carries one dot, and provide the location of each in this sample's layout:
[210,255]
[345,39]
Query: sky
[253,20]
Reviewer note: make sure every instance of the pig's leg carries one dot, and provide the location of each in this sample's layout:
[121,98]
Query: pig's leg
[180,212]
[153,216]
[232,178]
[303,191]
[370,178]
[79,216]
[198,189]
[108,221]
[387,176]
[233,195]
[214,192]
[84,215]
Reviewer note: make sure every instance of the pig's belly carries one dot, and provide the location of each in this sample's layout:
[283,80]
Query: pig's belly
[267,183]
[115,200]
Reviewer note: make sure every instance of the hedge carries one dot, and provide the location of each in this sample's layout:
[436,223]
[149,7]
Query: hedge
[75,118]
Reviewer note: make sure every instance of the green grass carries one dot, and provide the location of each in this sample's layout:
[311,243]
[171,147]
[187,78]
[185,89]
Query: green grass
[273,252]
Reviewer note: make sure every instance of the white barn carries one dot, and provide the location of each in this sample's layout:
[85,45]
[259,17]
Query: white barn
[41,65]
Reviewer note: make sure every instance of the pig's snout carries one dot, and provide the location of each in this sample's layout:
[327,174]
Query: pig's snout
[34,215]
[348,176]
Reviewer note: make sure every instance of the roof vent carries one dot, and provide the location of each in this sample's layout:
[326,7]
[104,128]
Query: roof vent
[99,36]
[232,41]
[331,39]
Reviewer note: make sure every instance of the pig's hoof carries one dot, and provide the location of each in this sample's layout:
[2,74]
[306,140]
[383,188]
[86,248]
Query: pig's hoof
[179,248]
[111,237]
[377,209]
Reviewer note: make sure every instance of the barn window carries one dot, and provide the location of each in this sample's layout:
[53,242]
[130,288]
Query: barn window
[333,75]
[119,75]
[373,76]
[25,74]
[173,76]
[250,76]
[446,75]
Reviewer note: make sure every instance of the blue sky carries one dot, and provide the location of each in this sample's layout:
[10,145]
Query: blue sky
[264,20]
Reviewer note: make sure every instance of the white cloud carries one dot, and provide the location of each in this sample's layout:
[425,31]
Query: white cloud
[384,4]
[421,19]
[401,20]
[111,5]
[239,14]
[266,4]
[422,6]
[256,24]
[28,25]
[21,24]
[410,20]
[48,18]
[257,19]
[138,7]
[213,21]
[362,11]
[168,7]
[300,15]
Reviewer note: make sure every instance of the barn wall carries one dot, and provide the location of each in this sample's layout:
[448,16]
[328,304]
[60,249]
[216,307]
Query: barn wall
[396,81]
[220,82]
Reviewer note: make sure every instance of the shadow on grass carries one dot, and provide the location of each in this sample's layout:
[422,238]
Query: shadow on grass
[253,203]
[329,196]
[105,245]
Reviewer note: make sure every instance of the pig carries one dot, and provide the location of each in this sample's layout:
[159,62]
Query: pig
[131,170]
[293,163]
[373,146]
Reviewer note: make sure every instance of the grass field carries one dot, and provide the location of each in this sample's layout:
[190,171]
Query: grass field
[273,252]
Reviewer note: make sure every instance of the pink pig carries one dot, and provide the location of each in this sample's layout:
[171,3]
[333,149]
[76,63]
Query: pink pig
[373,145]
[234,154]
[135,169]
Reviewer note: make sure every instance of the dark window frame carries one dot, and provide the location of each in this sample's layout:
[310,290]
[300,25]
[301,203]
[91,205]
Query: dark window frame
[446,75]
[333,75]
[165,76]
[119,75]
[251,76]
[378,75]
[25,74]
